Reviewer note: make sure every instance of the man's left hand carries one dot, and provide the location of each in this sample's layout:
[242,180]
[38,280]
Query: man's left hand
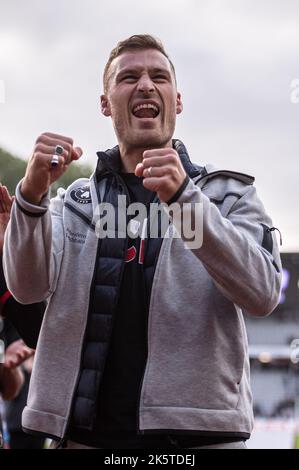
[162,171]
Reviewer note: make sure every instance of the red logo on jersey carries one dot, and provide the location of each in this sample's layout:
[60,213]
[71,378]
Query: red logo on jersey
[131,254]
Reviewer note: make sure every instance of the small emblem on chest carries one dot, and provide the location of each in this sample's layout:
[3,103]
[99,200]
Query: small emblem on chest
[81,195]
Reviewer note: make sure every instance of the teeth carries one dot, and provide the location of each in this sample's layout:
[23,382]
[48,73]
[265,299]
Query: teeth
[145,106]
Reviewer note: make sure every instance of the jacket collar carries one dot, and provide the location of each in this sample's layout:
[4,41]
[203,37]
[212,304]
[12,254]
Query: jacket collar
[190,168]
[110,162]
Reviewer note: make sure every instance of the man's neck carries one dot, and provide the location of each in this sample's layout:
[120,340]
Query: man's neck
[131,157]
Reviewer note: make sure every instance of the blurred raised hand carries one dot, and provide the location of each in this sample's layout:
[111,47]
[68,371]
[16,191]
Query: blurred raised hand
[11,375]
[6,201]
[16,354]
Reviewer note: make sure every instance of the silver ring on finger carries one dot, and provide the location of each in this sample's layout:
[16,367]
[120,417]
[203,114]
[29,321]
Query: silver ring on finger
[55,158]
[149,171]
[54,161]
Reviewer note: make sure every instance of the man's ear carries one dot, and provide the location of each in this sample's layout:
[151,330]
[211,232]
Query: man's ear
[105,106]
[179,103]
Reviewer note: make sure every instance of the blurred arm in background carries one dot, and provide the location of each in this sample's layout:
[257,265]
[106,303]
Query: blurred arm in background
[12,378]
[26,319]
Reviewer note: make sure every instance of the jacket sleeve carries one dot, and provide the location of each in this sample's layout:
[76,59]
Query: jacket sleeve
[233,250]
[33,248]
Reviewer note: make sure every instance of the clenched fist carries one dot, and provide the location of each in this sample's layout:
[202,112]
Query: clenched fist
[162,171]
[39,173]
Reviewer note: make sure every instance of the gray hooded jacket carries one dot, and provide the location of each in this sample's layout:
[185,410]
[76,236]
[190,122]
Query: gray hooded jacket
[197,371]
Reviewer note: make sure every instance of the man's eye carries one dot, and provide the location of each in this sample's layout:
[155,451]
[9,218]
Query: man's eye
[129,77]
[160,77]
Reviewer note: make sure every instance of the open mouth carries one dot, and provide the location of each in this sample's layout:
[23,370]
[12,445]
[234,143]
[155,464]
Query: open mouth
[146,110]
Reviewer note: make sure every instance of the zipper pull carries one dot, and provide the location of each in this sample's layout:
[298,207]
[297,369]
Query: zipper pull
[272,229]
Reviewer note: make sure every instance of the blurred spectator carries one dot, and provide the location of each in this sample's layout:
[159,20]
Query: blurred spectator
[14,380]
[26,319]
[11,375]
[285,409]
[13,413]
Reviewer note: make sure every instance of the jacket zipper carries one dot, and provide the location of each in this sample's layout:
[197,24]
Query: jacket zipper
[147,300]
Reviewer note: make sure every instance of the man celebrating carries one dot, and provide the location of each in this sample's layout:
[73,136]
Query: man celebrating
[143,343]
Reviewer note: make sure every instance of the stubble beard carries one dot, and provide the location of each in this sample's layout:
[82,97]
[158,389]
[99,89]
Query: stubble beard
[155,139]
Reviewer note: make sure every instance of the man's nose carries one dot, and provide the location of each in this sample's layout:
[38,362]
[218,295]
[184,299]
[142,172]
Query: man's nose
[145,84]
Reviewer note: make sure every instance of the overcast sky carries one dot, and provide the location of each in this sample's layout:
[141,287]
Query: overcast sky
[235,60]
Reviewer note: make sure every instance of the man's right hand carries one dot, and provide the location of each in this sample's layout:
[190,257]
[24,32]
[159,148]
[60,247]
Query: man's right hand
[39,173]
